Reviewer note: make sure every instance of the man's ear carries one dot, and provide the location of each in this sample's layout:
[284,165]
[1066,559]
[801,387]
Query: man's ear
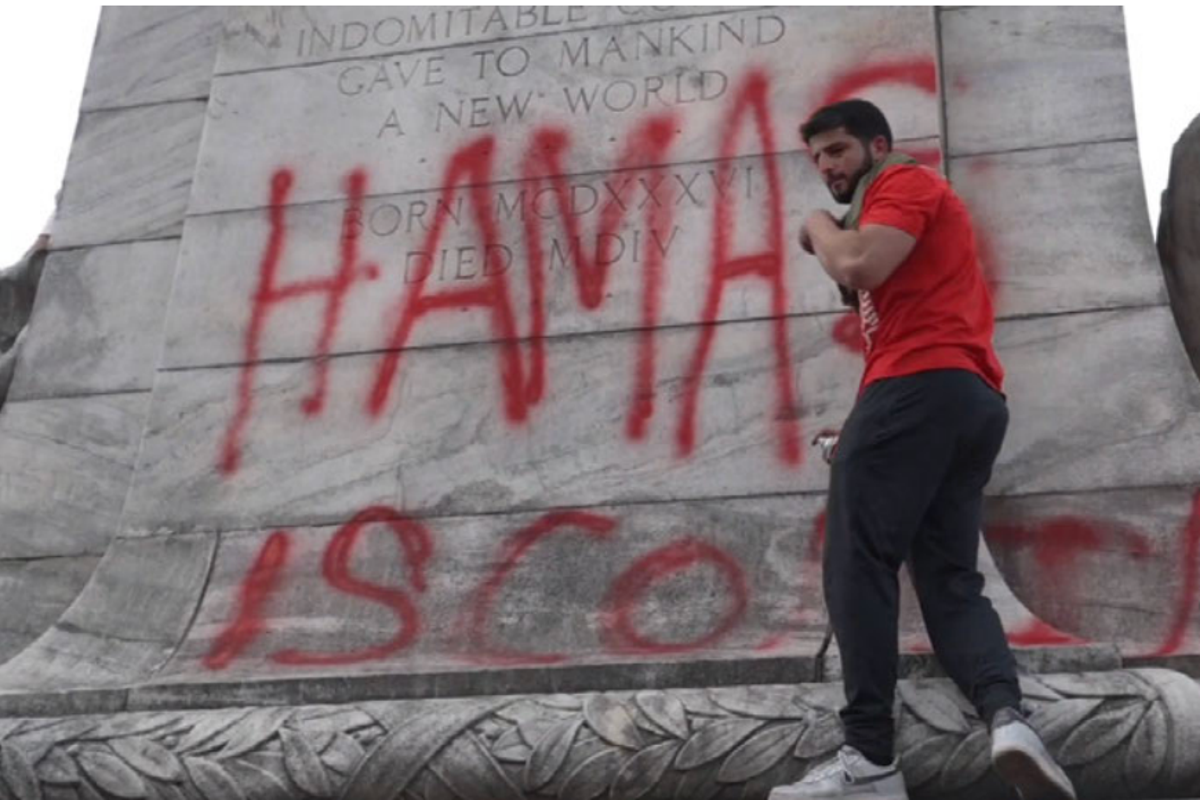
[880,147]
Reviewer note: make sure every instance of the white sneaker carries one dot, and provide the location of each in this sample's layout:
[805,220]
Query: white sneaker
[1023,761]
[849,776]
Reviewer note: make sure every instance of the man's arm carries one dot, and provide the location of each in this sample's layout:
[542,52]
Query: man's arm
[861,259]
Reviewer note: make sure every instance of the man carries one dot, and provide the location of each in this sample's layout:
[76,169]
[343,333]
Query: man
[913,457]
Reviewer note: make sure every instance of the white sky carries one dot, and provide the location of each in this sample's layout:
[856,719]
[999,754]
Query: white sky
[44,61]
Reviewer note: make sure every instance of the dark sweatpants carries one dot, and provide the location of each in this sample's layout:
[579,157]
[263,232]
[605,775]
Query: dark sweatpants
[907,485]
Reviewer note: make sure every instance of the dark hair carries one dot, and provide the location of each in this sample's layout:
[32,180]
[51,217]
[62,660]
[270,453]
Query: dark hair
[861,119]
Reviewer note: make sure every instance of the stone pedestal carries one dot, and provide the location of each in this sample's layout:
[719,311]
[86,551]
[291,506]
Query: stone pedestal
[1119,734]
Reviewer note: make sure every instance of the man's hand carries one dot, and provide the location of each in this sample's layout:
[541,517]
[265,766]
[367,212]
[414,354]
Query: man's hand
[816,218]
[827,440]
[861,259]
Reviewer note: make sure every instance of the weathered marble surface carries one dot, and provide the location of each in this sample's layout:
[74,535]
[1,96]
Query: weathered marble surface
[443,446]
[664,583]
[35,593]
[222,260]
[97,326]
[1121,410]
[669,582]
[129,174]
[661,582]
[1062,228]
[1111,566]
[1104,406]
[263,121]
[283,36]
[125,623]
[1043,260]
[65,466]
[1021,78]
[146,55]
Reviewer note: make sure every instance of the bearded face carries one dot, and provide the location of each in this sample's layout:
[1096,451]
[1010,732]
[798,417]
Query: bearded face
[841,160]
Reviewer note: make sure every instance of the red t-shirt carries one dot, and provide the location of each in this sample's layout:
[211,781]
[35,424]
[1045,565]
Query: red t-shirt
[935,310]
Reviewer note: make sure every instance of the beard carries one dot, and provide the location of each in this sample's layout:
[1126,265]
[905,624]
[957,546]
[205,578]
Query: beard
[847,194]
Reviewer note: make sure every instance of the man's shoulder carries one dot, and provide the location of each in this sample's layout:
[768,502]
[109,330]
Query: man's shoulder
[916,175]
[908,182]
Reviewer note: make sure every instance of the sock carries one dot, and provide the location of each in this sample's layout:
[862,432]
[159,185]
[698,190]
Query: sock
[877,757]
[990,716]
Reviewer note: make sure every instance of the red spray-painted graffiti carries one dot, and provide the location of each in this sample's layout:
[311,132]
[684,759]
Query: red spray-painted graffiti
[265,579]
[1057,544]
[1036,632]
[470,169]
[1185,606]
[269,294]
[768,265]
[473,163]
[620,629]
[643,161]
[417,545]
[252,616]
[515,549]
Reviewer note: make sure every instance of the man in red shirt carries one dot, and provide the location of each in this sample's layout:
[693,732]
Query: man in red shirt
[913,457]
